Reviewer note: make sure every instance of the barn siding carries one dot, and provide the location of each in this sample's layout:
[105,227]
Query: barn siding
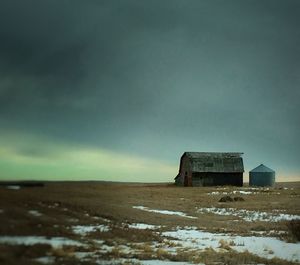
[178,180]
[200,179]
[185,171]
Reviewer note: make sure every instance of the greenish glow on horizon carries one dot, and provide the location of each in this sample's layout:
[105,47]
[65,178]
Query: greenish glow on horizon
[33,158]
[28,157]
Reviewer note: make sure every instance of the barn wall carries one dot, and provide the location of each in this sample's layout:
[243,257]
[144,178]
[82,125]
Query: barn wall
[200,179]
[185,174]
[179,181]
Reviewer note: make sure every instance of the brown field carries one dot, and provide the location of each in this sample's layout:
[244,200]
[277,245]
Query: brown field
[61,206]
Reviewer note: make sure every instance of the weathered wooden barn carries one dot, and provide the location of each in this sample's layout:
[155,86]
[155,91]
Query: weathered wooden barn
[210,169]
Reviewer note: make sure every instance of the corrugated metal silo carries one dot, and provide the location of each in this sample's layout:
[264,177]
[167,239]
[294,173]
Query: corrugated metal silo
[262,176]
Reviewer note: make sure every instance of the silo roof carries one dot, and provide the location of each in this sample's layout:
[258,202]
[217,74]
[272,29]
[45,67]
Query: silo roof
[262,168]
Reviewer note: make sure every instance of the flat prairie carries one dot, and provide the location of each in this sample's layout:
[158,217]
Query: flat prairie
[115,223]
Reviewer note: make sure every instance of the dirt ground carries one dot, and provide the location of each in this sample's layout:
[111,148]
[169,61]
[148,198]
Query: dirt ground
[54,210]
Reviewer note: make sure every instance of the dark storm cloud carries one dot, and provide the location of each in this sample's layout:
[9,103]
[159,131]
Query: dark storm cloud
[155,77]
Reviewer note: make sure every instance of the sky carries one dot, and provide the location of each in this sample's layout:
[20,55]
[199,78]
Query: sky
[118,90]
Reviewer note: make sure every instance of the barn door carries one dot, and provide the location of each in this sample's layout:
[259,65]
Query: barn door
[186,180]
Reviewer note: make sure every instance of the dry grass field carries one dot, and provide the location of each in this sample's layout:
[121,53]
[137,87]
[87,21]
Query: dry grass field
[109,223]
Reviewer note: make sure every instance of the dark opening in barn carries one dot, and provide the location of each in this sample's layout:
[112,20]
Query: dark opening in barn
[210,169]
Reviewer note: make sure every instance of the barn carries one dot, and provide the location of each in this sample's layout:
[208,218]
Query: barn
[210,169]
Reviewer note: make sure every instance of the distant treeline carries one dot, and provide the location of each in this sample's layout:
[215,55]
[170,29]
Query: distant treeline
[22,183]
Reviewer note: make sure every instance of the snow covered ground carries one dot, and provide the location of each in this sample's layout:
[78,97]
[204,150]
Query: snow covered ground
[144,226]
[174,239]
[85,229]
[244,191]
[143,208]
[266,247]
[236,192]
[231,192]
[143,262]
[164,262]
[101,218]
[184,238]
[250,216]
[35,213]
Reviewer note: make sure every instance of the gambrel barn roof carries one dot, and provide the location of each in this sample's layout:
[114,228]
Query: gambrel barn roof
[215,162]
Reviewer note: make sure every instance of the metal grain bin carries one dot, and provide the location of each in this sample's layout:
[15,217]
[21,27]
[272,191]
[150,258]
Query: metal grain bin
[262,176]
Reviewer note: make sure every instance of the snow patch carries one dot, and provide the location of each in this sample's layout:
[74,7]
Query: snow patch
[217,193]
[164,262]
[55,242]
[101,218]
[142,262]
[35,213]
[243,192]
[144,226]
[83,255]
[163,211]
[266,247]
[267,233]
[249,215]
[85,229]
[13,187]
[117,261]
[105,249]
[233,192]
[45,260]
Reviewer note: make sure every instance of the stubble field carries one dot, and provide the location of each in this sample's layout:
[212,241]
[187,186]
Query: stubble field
[106,223]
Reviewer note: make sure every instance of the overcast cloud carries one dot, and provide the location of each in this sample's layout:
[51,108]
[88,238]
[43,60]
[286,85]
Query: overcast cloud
[155,78]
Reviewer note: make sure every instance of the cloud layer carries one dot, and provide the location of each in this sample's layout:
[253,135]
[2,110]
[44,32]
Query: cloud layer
[155,79]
